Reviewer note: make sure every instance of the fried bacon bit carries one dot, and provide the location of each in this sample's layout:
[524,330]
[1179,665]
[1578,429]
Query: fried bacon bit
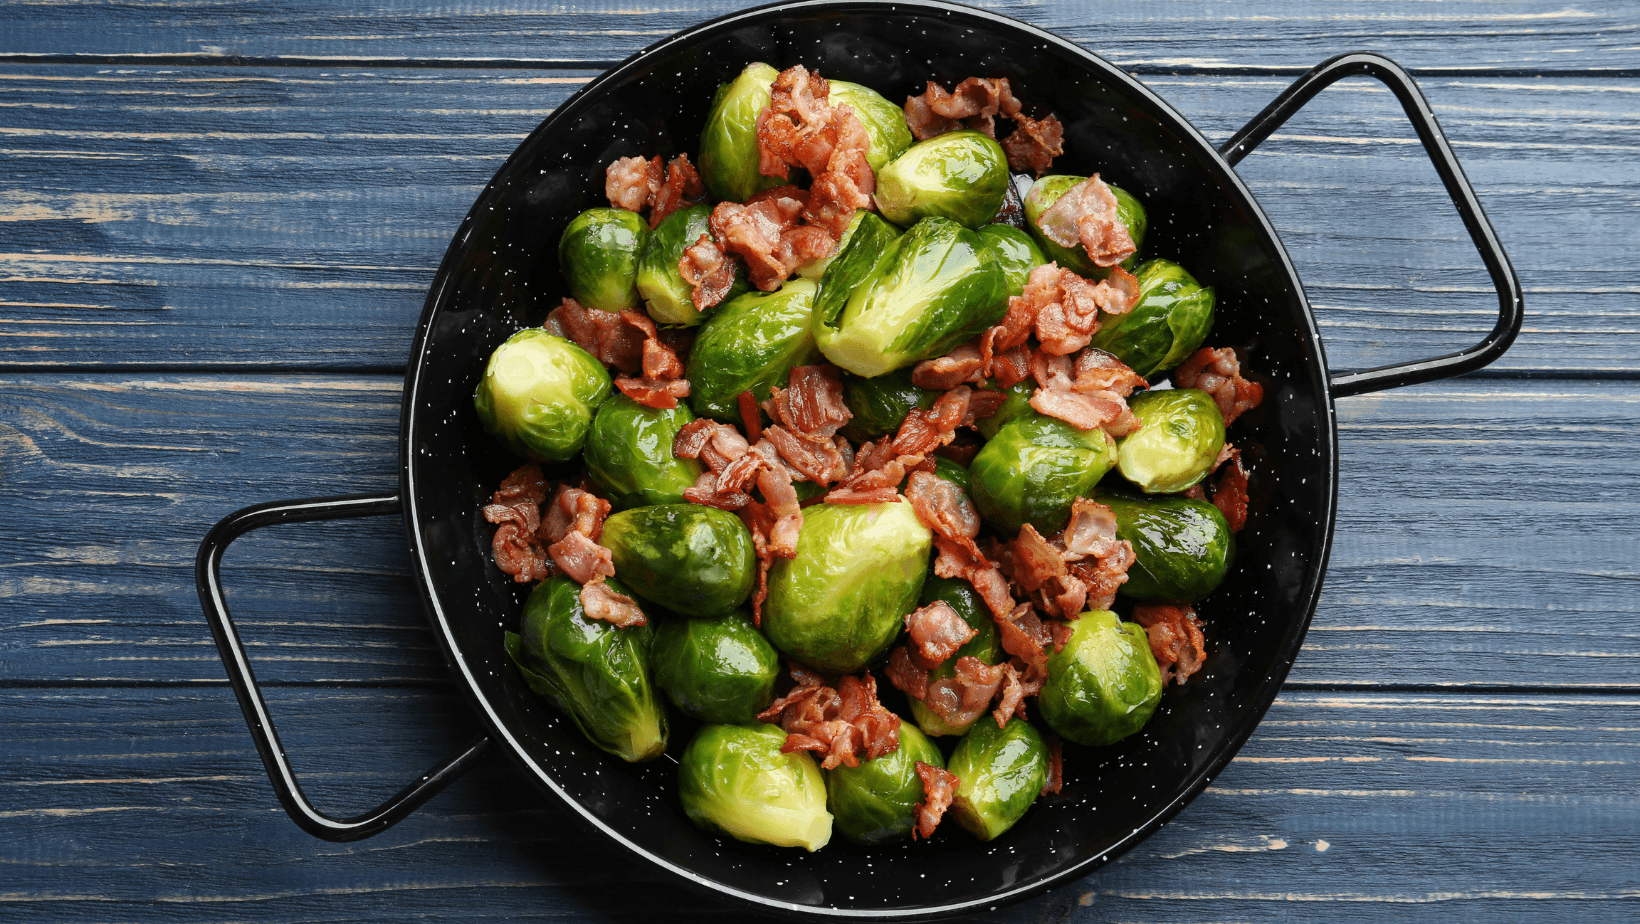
[791,130]
[1024,636]
[751,418]
[619,610]
[1230,492]
[1087,215]
[1217,371]
[879,467]
[846,724]
[964,696]
[944,508]
[1011,702]
[1175,639]
[963,364]
[683,186]
[765,233]
[939,788]
[516,511]
[936,632]
[1056,767]
[726,483]
[975,104]
[1093,555]
[709,270]
[1064,308]
[1034,144]
[663,382]
[806,416]
[954,560]
[572,526]
[906,674]
[605,334]
[1096,397]
[634,184]
[847,182]
[1039,568]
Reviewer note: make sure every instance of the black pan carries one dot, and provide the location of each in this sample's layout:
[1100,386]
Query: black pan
[500,274]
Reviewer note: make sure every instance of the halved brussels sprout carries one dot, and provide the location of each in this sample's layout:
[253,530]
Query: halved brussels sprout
[1104,684]
[961,175]
[876,802]
[1047,190]
[880,404]
[733,779]
[1170,321]
[599,254]
[689,558]
[841,601]
[538,394]
[1016,253]
[1002,771]
[954,472]
[728,141]
[595,673]
[1182,548]
[751,344]
[1018,402]
[718,669]
[665,294]
[1033,469]
[629,453]
[884,122]
[1178,440]
[932,288]
[984,646]
[857,253]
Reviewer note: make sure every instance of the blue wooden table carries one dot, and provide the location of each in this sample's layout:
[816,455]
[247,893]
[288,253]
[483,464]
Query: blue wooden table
[217,224]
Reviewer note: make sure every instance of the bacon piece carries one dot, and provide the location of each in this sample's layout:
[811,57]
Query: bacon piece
[515,508]
[955,560]
[1056,767]
[598,601]
[1087,215]
[963,364]
[583,560]
[1011,701]
[846,724]
[1230,492]
[630,182]
[1024,636]
[847,182]
[765,233]
[663,382]
[1040,569]
[1217,371]
[1064,308]
[974,103]
[1103,576]
[906,674]
[683,186]
[939,788]
[812,403]
[1176,639]
[936,632]
[605,334]
[962,697]
[705,266]
[804,682]
[944,508]
[1034,144]
[1091,532]
[791,130]
[1097,397]
[751,418]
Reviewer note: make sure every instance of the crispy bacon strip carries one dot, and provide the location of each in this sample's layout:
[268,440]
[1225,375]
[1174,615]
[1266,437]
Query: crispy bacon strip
[635,184]
[975,103]
[1093,555]
[764,232]
[939,788]
[663,382]
[1176,639]
[944,508]
[936,632]
[967,693]
[515,508]
[605,334]
[619,610]
[683,187]
[1095,398]
[1217,371]
[705,266]
[1087,215]
[1034,144]
[963,364]
[1230,492]
[846,723]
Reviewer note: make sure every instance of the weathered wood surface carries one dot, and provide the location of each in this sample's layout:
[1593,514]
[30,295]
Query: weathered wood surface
[149,805]
[1469,35]
[222,216]
[1467,511]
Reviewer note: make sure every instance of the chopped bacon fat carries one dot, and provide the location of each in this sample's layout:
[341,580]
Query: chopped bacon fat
[936,632]
[1086,215]
[1217,371]
[846,724]
[939,788]
[1176,639]
[975,103]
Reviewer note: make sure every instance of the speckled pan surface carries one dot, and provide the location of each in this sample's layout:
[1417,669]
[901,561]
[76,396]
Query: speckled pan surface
[500,274]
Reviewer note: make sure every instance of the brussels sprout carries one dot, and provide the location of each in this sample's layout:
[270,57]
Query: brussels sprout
[1033,469]
[932,288]
[1182,548]
[751,344]
[816,268]
[629,453]
[1046,191]
[599,254]
[880,404]
[728,141]
[954,472]
[668,298]
[1002,771]
[876,802]
[538,393]
[1178,440]
[984,646]
[1016,253]
[595,673]
[1019,402]
[717,669]
[733,779]
[840,602]
[1104,684]
[1169,322]
[884,122]
[961,175]
[689,558]
[857,253]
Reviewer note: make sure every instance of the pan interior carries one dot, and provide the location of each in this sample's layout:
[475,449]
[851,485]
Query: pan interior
[501,274]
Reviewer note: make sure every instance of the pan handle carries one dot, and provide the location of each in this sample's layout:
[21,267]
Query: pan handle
[208,577]
[1511,308]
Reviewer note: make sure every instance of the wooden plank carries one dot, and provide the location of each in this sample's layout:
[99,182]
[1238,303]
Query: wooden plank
[1527,34]
[1383,807]
[209,217]
[1485,536]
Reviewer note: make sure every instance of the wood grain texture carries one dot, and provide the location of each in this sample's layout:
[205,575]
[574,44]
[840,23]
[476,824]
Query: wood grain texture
[1445,570]
[150,805]
[1152,34]
[240,217]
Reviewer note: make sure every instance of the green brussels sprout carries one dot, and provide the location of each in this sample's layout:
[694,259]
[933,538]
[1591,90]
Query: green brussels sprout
[692,559]
[1169,322]
[751,344]
[1019,402]
[538,394]
[733,779]
[931,289]
[1002,771]
[1033,469]
[954,472]
[884,122]
[880,404]
[1179,437]
[840,602]
[1046,191]
[1182,548]
[876,802]
[660,285]
[595,673]
[1016,253]
[599,254]
[629,453]
[718,669]
[728,141]
[961,175]
[1104,684]
[985,646]
[857,253]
